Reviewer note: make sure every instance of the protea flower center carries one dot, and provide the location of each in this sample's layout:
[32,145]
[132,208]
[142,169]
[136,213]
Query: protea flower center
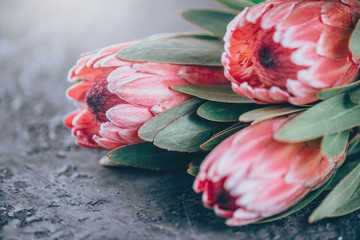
[99,99]
[272,61]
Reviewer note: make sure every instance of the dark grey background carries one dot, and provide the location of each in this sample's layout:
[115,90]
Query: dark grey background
[51,189]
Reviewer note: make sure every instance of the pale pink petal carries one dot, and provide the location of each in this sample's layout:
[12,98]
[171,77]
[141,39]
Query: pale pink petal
[128,116]
[276,15]
[106,52]
[130,135]
[110,131]
[164,69]
[257,11]
[325,73]
[305,55]
[112,61]
[123,75]
[169,103]
[149,91]
[297,36]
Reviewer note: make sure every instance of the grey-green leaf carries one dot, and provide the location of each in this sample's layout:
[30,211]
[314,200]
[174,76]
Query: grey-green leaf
[343,199]
[212,20]
[223,112]
[355,95]
[330,92]
[269,112]
[213,93]
[344,170]
[335,143]
[303,203]
[180,50]
[237,5]
[157,123]
[330,116]
[221,136]
[195,163]
[146,155]
[354,145]
[354,45]
[187,133]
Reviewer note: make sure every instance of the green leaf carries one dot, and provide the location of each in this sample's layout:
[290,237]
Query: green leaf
[335,143]
[221,136]
[146,155]
[330,92]
[181,50]
[355,95]
[157,123]
[330,116]
[213,93]
[237,5]
[354,146]
[187,133]
[269,112]
[303,203]
[343,199]
[344,170]
[223,112]
[354,45]
[194,165]
[212,20]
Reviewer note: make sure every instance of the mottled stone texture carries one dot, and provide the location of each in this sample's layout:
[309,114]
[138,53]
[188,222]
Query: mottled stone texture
[51,189]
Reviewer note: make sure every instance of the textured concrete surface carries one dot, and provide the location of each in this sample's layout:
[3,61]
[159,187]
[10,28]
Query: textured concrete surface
[51,189]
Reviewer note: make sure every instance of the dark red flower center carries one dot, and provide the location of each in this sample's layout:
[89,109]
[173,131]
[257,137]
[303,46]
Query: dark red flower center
[266,57]
[99,99]
[272,61]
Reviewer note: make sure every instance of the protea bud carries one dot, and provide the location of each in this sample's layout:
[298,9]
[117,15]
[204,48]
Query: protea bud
[287,51]
[117,97]
[251,176]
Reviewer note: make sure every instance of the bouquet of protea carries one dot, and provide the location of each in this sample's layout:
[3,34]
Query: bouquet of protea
[263,108]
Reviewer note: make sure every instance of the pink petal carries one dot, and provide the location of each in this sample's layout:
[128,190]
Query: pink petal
[297,36]
[302,13]
[149,91]
[333,43]
[78,91]
[164,69]
[305,55]
[128,116]
[276,15]
[106,52]
[325,73]
[257,11]
[337,15]
[203,75]
[121,76]
[111,61]
[169,103]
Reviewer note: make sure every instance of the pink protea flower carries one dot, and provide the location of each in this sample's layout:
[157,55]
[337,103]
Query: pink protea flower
[287,51]
[250,176]
[117,97]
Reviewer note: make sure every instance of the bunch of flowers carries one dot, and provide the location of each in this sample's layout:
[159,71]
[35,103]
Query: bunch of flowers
[263,108]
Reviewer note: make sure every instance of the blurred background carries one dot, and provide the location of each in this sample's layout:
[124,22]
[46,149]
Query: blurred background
[52,189]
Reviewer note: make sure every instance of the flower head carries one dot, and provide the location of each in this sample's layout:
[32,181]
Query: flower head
[116,97]
[250,176]
[287,51]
